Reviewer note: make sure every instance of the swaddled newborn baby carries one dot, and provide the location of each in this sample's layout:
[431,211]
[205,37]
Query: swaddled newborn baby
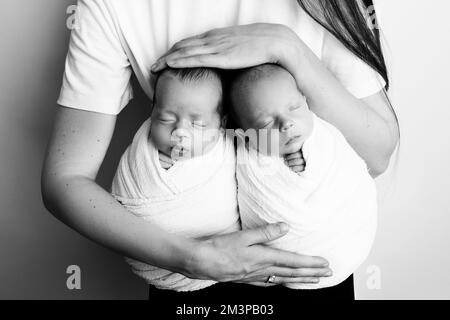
[196,196]
[330,206]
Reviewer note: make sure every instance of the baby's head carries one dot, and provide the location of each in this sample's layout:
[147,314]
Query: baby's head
[187,111]
[267,97]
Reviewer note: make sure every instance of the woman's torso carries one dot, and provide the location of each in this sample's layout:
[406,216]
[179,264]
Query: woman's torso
[148,28]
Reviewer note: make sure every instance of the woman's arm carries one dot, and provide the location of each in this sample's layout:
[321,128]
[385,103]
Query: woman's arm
[368,124]
[77,147]
[76,150]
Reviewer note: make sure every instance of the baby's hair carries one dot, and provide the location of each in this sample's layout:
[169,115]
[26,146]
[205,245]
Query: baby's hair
[240,79]
[188,75]
[244,76]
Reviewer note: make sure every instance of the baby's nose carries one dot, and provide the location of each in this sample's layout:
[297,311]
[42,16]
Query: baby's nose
[181,134]
[286,125]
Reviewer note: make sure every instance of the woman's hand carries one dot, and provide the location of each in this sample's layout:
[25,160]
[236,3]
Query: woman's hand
[242,257]
[232,48]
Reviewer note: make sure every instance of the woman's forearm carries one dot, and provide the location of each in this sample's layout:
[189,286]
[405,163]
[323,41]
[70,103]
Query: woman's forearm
[373,137]
[84,206]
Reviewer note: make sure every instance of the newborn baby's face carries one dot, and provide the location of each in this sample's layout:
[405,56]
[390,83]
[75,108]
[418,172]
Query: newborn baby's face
[185,117]
[275,104]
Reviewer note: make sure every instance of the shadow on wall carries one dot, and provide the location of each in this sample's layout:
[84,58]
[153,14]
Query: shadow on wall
[128,122]
[38,249]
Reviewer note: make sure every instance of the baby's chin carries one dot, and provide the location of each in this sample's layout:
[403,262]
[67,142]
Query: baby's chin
[291,148]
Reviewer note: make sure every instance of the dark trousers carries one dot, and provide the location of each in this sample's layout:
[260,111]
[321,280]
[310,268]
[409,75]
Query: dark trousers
[236,293]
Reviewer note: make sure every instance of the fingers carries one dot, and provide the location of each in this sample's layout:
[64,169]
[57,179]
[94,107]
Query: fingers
[281,280]
[305,280]
[212,60]
[166,162]
[289,273]
[197,40]
[166,165]
[165,158]
[255,283]
[182,54]
[295,162]
[281,258]
[264,234]
[194,46]
[297,169]
[296,155]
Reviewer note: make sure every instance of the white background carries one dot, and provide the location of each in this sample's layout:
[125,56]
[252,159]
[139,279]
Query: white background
[412,246]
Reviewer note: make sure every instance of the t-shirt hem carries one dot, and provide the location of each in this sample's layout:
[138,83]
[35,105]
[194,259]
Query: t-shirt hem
[93,104]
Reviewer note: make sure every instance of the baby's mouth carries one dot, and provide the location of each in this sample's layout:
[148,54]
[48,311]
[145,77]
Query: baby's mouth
[180,149]
[292,140]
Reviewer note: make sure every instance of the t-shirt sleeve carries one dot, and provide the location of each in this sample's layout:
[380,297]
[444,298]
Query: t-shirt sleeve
[356,76]
[97,70]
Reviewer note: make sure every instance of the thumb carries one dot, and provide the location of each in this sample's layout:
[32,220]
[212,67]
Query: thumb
[267,233]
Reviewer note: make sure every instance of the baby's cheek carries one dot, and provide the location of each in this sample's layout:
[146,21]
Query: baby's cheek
[160,137]
[203,139]
[268,142]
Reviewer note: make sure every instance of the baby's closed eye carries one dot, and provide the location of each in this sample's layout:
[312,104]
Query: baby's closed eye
[166,119]
[199,123]
[265,124]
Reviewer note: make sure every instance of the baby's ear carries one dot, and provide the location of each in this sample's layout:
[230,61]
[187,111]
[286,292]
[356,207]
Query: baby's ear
[224,121]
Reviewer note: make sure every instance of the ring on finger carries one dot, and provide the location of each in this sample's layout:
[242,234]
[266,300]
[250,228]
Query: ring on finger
[271,279]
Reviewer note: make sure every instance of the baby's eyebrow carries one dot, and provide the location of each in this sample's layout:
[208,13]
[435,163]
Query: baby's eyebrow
[296,103]
[260,119]
[163,110]
[197,115]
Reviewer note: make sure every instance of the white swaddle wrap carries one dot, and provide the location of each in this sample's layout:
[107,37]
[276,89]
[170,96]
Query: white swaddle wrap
[194,198]
[331,207]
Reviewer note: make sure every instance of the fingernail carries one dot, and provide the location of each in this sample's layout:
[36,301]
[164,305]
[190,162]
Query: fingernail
[328,273]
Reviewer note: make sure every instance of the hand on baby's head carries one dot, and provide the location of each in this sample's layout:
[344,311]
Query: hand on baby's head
[187,112]
[266,98]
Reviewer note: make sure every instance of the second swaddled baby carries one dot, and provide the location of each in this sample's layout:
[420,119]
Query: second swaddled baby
[331,206]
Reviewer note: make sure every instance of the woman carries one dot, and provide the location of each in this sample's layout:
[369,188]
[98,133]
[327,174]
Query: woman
[116,37]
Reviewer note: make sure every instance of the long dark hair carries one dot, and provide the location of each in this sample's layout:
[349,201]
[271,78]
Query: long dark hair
[348,21]
[345,19]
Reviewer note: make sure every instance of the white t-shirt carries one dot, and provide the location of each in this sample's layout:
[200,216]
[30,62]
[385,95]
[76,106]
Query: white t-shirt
[116,37]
